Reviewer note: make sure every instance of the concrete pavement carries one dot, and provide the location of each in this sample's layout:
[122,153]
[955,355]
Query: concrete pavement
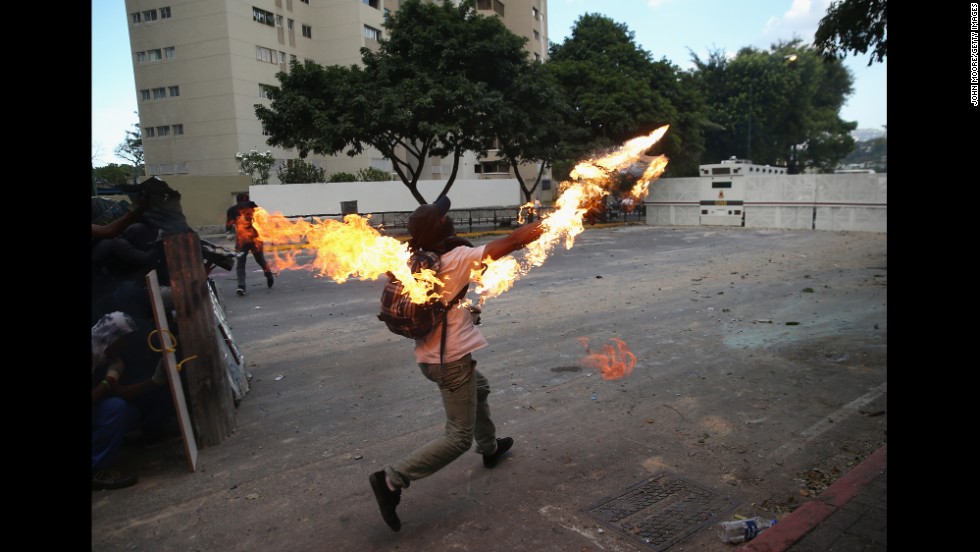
[760,389]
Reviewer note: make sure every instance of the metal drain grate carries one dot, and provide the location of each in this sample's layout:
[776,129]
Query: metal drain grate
[661,511]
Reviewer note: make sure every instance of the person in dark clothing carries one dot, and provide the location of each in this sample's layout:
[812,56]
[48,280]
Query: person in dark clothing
[463,388]
[239,220]
[114,407]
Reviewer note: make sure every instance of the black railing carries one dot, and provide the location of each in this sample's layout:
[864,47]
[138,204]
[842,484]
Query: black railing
[476,220]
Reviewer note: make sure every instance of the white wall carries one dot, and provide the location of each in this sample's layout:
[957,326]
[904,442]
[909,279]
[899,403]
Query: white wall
[851,202]
[377,197]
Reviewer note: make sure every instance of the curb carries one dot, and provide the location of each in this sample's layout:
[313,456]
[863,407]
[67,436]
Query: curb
[792,528]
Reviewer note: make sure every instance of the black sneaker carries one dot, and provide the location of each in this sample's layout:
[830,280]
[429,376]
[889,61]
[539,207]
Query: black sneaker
[240,292]
[268,279]
[387,499]
[111,479]
[503,445]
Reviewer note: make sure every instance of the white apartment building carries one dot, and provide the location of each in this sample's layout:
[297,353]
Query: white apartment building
[200,66]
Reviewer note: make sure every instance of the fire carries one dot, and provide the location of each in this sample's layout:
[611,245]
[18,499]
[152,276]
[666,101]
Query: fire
[614,362]
[355,249]
[593,180]
[344,250]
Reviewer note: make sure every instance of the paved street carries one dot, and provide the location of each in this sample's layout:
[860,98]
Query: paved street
[760,377]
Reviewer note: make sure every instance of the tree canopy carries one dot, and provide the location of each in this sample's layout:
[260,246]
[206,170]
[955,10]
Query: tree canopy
[435,87]
[777,107]
[618,92]
[854,26]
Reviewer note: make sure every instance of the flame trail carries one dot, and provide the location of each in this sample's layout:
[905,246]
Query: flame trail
[592,182]
[355,249]
[344,250]
[615,363]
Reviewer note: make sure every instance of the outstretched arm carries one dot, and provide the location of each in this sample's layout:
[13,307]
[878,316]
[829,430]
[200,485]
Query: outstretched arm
[513,241]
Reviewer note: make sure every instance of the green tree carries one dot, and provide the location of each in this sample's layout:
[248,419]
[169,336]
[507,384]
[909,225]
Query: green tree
[131,149]
[342,177]
[854,26]
[429,90]
[531,127]
[779,107]
[372,174]
[618,92]
[256,165]
[111,175]
[298,171]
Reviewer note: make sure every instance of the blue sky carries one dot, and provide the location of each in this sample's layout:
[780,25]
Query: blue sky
[669,29]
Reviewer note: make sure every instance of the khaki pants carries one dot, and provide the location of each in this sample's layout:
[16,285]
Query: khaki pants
[464,397]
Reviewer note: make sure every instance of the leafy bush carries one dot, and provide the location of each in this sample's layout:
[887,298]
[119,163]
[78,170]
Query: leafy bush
[297,171]
[342,177]
[372,174]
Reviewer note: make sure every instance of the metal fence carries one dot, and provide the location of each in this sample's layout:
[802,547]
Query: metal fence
[478,220]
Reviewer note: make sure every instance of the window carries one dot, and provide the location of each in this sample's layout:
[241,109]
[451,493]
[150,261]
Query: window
[292,57]
[181,168]
[498,7]
[263,16]
[535,13]
[140,57]
[282,57]
[376,4]
[546,184]
[265,54]
[492,167]
[159,93]
[278,21]
[291,25]
[178,129]
[537,35]
[165,13]
[145,94]
[264,91]
[174,91]
[372,33]
[495,5]
[149,132]
[166,168]
[716,185]
[153,55]
[307,31]
[163,131]
[537,56]
[136,18]
[305,1]
[150,15]
[169,52]
[265,131]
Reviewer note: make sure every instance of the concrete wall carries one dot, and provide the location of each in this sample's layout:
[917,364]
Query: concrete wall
[377,197]
[205,199]
[852,202]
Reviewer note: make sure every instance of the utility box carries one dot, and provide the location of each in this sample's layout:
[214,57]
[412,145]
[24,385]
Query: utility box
[722,190]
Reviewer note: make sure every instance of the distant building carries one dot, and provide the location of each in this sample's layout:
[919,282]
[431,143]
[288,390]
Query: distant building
[201,65]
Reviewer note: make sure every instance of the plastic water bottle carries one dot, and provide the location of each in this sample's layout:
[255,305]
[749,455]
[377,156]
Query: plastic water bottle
[742,530]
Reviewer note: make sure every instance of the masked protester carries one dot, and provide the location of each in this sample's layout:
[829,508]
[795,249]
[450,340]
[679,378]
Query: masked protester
[113,414]
[452,368]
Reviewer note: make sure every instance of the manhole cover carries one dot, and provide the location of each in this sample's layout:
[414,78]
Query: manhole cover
[661,511]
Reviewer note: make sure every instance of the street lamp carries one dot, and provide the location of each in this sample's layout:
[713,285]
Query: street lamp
[793,168]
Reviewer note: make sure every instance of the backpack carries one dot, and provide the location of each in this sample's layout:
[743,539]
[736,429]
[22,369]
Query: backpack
[408,319]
